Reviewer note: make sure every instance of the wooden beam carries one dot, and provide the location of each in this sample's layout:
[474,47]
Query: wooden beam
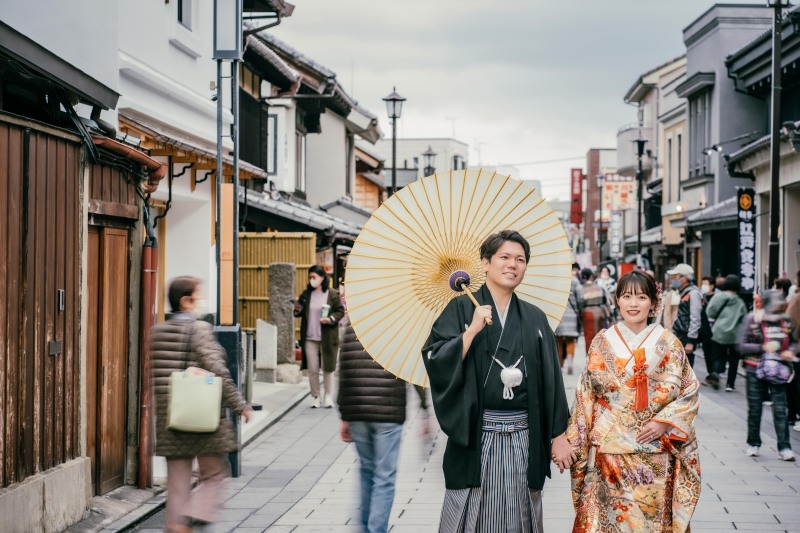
[226,256]
[113,209]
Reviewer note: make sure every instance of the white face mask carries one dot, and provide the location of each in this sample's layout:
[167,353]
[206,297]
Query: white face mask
[316,282]
[200,308]
[706,288]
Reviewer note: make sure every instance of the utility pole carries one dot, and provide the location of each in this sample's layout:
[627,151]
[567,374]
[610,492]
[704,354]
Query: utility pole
[775,140]
[640,142]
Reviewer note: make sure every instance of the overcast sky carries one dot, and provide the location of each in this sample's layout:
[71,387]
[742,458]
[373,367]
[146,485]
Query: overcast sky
[524,80]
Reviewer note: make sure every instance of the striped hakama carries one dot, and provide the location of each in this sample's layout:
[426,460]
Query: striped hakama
[503,503]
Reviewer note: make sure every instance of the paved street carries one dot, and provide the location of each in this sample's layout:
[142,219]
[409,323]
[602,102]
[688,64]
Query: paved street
[299,477]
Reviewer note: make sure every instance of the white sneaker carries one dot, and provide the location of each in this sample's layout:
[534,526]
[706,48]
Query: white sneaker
[786,455]
[328,401]
[752,451]
[796,426]
[315,404]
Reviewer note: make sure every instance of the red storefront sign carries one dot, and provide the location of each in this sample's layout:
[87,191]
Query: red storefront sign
[576,208]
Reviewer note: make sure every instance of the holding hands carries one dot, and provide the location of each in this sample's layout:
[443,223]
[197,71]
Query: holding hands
[562,453]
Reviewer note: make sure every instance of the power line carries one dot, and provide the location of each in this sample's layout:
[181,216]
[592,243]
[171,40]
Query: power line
[545,162]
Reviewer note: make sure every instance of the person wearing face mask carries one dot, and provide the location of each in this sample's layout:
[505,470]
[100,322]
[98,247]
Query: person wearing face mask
[320,309]
[179,343]
[688,321]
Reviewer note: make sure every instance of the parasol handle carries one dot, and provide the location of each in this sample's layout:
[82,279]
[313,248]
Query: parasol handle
[459,281]
[474,301]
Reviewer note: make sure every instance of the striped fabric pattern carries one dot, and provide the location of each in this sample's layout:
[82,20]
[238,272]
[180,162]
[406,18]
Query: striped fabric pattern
[503,503]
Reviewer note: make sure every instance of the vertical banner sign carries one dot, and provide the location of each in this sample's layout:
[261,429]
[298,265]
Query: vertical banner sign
[576,209]
[747,239]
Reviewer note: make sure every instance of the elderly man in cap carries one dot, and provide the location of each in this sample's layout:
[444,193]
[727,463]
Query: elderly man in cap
[688,321]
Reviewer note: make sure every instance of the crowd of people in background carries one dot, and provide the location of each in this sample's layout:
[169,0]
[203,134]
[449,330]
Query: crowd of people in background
[759,335]
[714,321]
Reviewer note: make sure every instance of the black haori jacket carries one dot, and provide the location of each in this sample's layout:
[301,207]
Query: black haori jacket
[457,388]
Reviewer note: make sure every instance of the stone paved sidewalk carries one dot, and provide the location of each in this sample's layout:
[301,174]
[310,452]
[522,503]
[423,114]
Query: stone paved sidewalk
[300,478]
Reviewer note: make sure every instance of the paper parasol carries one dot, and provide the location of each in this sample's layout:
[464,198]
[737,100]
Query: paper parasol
[398,273]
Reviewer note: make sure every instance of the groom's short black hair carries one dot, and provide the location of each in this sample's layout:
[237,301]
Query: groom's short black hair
[494,241]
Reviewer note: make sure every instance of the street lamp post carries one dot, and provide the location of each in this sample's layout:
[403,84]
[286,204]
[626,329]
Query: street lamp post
[640,142]
[600,182]
[394,107]
[775,140]
[228,47]
[429,160]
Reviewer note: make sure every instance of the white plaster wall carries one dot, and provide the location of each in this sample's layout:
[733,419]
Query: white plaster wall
[188,250]
[165,70]
[326,154]
[790,234]
[83,35]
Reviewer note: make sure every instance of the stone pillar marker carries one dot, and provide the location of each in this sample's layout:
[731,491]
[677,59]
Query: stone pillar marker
[281,291]
[267,351]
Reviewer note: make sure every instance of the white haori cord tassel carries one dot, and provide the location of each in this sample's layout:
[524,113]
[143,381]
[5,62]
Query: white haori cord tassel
[511,376]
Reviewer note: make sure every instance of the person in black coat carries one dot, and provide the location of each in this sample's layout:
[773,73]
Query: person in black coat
[372,405]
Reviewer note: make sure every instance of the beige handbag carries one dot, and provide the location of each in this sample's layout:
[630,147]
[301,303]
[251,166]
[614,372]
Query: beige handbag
[195,399]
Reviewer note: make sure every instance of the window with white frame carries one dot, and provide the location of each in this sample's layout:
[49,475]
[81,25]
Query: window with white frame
[300,162]
[670,181]
[699,132]
[185,13]
[272,139]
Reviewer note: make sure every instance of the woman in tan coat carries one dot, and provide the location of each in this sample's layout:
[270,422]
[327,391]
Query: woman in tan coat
[181,342]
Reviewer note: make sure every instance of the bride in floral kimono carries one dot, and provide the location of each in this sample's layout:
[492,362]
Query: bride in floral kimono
[632,424]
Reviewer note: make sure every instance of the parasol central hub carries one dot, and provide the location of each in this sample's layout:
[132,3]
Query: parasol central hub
[435,278]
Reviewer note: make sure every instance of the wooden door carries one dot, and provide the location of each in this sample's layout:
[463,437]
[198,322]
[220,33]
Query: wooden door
[107,355]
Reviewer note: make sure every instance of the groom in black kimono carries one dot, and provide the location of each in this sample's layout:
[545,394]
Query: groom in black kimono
[464,358]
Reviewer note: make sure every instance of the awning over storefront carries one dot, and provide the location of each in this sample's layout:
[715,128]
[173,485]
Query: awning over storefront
[714,216]
[316,219]
[163,140]
[377,179]
[649,237]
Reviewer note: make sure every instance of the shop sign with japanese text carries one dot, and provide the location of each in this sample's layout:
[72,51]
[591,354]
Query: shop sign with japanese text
[746,210]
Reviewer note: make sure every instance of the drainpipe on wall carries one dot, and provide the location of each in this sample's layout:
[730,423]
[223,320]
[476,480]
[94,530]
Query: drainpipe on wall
[149,283]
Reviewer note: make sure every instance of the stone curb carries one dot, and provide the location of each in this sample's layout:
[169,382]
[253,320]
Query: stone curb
[159,499]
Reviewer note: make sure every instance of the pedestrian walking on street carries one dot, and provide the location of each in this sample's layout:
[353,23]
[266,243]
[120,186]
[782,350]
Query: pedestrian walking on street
[793,396]
[769,350]
[372,405]
[569,329]
[727,311]
[320,309]
[632,423]
[181,342]
[688,321]
[499,397]
[709,289]
[596,306]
